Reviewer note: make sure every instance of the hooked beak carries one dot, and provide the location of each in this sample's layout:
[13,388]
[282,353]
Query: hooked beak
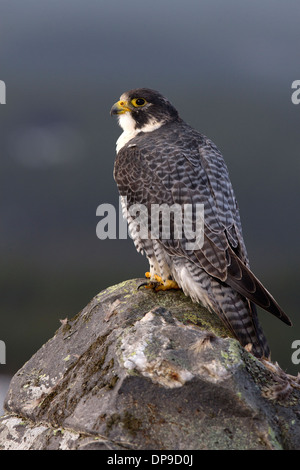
[120,107]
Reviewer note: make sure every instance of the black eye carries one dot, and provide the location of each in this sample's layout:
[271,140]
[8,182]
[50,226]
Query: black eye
[138,102]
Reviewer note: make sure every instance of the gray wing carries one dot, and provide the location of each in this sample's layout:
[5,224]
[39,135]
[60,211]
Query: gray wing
[184,167]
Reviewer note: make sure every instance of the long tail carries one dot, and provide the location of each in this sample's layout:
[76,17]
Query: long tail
[246,283]
[240,316]
[235,310]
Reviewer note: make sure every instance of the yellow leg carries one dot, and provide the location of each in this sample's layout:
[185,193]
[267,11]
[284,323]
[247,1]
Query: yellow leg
[167,285]
[158,283]
[150,285]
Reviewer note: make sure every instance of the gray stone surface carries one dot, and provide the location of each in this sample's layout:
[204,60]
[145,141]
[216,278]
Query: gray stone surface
[138,369]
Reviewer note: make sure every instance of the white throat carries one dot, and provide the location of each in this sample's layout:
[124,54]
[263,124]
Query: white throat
[127,123]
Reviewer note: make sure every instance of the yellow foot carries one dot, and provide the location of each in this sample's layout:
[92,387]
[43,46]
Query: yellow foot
[148,285]
[158,284]
[167,285]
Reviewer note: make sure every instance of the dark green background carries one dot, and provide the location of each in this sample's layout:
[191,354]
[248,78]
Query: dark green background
[228,68]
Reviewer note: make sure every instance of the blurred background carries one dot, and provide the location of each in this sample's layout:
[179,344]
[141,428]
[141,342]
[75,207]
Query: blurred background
[227,67]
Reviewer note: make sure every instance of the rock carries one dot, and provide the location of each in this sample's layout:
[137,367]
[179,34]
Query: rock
[137,370]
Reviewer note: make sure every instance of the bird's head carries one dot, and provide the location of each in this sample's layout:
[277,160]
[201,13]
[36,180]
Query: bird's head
[143,109]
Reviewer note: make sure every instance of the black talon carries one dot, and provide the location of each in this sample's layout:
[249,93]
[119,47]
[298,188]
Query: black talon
[149,284]
[143,284]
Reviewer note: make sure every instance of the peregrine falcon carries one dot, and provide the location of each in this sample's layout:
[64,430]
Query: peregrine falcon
[161,159]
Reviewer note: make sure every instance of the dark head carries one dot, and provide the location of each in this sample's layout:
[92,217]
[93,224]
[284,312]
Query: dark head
[143,108]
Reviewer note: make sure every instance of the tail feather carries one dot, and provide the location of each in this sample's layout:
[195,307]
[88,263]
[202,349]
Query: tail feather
[240,317]
[234,309]
[245,282]
[261,347]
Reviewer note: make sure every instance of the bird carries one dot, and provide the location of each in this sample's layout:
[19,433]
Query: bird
[161,159]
